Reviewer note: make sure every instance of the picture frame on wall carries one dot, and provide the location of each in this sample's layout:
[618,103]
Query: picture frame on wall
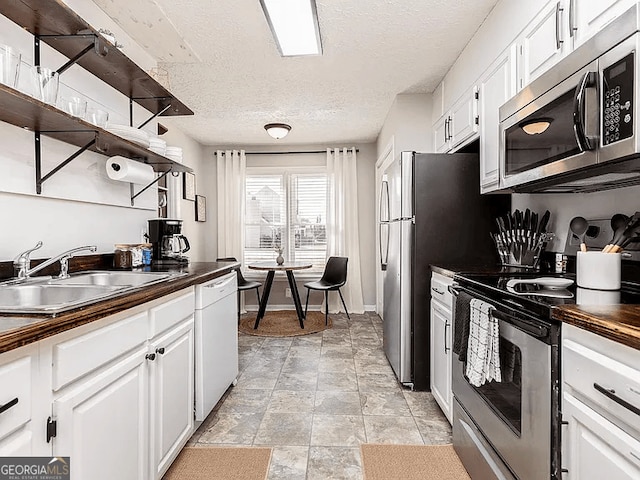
[201,208]
[189,186]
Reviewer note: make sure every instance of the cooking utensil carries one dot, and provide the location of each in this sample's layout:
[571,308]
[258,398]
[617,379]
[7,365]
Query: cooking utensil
[578,227]
[632,230]
[542,226]
[618,225]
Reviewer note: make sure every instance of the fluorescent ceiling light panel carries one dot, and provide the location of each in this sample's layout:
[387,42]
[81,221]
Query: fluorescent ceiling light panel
[294,24]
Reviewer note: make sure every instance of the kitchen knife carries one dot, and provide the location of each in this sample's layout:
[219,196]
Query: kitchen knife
[542,226]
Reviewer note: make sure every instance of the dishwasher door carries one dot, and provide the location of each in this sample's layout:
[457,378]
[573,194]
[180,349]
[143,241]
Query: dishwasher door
[216,341]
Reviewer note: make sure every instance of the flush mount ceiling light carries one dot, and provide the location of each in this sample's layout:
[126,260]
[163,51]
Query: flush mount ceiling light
[277,130]
[535,126]
[294,25]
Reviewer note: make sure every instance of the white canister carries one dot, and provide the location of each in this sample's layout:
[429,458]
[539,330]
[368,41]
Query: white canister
[598,271]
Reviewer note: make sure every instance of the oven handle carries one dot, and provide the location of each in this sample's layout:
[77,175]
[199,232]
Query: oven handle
[538,331]
[611,394]
[584,141]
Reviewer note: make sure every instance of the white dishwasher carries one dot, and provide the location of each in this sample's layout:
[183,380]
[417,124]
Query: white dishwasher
[216,341]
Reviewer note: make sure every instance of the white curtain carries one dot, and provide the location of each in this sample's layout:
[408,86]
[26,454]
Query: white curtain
[231,170]
[343,239]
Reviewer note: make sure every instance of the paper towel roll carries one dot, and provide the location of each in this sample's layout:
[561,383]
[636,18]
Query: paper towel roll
[126,170]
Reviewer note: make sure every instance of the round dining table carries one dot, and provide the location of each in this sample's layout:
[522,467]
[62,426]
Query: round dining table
[271,267]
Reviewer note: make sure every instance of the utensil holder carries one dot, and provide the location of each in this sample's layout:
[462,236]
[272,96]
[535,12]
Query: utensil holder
[598,271]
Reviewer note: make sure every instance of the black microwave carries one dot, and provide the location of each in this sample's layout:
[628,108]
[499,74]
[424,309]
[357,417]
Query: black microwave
[575,128]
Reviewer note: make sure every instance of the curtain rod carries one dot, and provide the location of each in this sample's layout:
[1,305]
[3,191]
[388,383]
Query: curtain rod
[288,153]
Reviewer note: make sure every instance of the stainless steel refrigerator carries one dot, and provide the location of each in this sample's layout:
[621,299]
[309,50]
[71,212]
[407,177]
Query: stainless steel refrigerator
[431,213]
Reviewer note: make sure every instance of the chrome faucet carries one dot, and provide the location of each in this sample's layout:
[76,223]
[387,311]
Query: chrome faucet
[22,262]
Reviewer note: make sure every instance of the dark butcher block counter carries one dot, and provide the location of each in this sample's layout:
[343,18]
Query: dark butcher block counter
[19,330]
[620,323]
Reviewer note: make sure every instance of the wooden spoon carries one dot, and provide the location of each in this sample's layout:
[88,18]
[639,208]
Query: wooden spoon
[618,225]
[579,226]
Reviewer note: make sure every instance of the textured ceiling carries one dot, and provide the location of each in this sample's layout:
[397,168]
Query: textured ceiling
[224,64]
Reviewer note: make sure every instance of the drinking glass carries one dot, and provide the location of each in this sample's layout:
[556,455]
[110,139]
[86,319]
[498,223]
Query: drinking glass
[75,106]
[97,117]
[9,66]
[45,83]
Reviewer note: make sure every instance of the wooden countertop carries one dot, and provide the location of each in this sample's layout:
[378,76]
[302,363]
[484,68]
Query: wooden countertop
[19,330]
[620,323]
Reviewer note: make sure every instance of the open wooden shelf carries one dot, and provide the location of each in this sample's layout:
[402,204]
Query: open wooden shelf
[27,112]
[54,22]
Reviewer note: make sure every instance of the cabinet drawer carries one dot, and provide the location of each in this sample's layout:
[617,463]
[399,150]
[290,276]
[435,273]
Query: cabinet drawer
[606,383]
[171,313]
[15,395]
[440,290]
[77,357]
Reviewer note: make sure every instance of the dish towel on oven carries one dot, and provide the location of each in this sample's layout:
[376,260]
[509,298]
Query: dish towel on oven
[483,356]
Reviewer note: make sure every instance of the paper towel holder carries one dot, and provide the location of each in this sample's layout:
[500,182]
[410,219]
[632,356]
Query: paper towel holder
[134,195]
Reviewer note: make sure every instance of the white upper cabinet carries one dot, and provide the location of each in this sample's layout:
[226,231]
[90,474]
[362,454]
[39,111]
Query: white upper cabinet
[543,43]
[497,85]
[586,17]
[458,125]
[438,103]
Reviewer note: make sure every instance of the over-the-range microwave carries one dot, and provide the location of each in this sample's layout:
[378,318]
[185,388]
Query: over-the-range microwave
[575,128]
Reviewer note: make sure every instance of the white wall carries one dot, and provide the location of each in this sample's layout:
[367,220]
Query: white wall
[366,159]
[79,204]
[563,207]
[408,124]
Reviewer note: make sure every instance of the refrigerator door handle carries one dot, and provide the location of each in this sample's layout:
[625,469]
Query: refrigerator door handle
[384,200]
[384,251]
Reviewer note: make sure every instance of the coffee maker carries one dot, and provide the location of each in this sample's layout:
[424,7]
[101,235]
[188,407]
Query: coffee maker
[169,245]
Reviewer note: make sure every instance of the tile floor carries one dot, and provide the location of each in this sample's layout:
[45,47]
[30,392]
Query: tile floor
[316,398]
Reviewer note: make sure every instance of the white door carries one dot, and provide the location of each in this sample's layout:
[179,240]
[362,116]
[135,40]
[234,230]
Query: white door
[441,358]
[463,123]
[543,43]
[441,134]
[589,16]
[172,381]
[594,448]
[102,422]
[496,87]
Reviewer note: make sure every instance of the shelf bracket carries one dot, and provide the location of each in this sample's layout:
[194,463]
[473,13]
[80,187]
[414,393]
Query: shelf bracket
[40,179]
[132,99]
[133,196]
[99,47]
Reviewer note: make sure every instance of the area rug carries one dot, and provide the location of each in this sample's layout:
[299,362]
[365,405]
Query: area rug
[283,323]
[220,463]
[411,462]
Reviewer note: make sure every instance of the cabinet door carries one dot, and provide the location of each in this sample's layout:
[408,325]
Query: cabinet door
[172,374]
[594,448]
[543,43]
[441,358]
[496,87]
[441,134]
[589,16]
[18,444]
[102,422]
[438,102]
[463,118]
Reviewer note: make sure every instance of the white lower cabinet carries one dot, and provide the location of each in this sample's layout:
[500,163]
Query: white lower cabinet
[172,391]
[123,389]
[102,422]
[600,405]
[441,342]
[16,398]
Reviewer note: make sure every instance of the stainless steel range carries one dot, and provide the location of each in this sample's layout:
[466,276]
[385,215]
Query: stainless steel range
[512,429]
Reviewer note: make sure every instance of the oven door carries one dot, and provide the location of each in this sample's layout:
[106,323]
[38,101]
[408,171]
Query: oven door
[554,134]
[514,415]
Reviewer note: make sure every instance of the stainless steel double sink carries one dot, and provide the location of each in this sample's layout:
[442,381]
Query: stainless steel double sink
[47,295]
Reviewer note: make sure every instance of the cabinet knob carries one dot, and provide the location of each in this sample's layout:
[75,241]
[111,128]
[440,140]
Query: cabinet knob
[160,351]
[150,356]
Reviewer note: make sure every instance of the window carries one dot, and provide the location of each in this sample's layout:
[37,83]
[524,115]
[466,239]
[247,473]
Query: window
[289,209]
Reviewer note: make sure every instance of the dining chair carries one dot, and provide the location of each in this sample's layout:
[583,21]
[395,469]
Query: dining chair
[243,283]
[334,277]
